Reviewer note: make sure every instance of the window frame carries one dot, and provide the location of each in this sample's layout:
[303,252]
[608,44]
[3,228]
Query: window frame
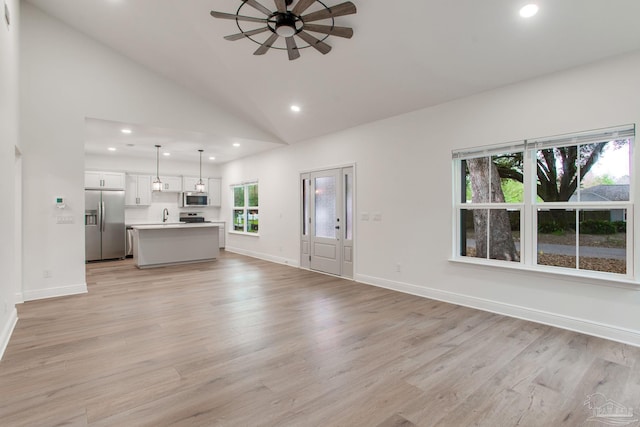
[246,207]
[530,206]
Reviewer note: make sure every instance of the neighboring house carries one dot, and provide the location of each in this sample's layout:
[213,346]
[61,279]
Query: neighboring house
[608,193]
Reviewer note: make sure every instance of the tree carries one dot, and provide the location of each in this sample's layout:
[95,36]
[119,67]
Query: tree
[556,168]
[559,171]
[486,187]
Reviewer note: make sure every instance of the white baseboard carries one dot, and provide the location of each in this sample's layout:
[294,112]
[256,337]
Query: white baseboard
[7,330]
[585,326]
[60,291]
[263,256]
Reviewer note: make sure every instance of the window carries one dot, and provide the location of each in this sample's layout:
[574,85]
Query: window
[556,203]
[245,208]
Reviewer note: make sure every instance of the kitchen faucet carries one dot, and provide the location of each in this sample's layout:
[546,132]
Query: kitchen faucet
[165,214]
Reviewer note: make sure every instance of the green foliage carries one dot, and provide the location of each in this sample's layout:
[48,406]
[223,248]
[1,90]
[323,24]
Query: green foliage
[551,227]
[594,226]
[621,226]
[253,194]
[238,196]
[513,190]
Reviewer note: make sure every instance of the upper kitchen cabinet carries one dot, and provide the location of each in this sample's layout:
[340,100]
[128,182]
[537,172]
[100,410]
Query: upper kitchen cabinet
[138,191]
[189,183]
[171,183]
[215,191]
[104,180]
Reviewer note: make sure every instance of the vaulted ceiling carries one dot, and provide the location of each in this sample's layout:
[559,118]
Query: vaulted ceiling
[404,55]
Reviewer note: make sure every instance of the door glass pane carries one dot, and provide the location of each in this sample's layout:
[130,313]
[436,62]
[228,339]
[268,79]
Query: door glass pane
[603,240]
[305,207]
[325,201]
[348,202]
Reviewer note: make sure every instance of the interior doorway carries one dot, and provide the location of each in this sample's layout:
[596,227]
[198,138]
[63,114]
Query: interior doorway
[327,226]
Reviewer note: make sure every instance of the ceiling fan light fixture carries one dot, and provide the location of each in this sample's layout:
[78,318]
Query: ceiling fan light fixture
[291,24]
[286,25]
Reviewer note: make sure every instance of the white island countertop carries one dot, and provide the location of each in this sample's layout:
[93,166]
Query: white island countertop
[156,245]
[160,226]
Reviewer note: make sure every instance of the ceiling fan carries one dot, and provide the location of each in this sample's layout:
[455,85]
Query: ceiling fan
[287,23]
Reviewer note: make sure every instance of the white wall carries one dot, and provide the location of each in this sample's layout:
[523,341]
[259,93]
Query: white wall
[67,77]
[404,172]
[9,41]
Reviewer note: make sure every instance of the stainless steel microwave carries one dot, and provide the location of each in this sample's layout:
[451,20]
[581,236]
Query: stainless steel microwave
[194,199]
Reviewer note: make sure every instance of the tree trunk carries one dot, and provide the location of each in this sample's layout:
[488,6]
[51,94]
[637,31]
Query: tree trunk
[486,187]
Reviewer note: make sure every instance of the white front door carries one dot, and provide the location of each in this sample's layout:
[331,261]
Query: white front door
[324,240]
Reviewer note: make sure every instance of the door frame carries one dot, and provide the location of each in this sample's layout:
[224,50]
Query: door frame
[304,260]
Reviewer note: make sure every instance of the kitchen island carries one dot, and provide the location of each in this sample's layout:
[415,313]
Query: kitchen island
[174,243]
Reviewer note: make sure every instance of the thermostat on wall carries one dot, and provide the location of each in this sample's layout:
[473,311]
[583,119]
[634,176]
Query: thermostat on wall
[60,203]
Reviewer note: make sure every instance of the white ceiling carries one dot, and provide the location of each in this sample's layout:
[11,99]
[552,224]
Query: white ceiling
[404,55]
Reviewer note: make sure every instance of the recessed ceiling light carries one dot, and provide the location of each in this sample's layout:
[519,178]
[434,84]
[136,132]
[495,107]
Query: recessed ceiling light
[295,108]
[166,154]
[111,148]
[212,158]
[236,144]
[127,131]
[529,10]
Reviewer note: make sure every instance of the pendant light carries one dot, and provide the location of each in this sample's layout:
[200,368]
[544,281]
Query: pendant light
[200,184]
[157,184]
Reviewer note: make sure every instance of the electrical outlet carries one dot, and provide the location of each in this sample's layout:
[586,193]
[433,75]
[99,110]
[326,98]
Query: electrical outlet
[398,269]
[46,274]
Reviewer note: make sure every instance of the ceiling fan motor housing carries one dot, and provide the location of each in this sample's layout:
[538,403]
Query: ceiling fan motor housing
[287,24]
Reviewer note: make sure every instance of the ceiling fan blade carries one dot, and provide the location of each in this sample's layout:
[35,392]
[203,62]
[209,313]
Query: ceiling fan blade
[346,8]
[281,5]
[301,6]
[223,15]
[319,45]
[239,36]
[266,45]
[327,29]
[292,49]
[254,4]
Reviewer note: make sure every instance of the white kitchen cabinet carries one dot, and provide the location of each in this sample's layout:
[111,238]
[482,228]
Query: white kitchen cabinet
[104,180]
[189,183]
[138,191]
[215,191]
[171,183]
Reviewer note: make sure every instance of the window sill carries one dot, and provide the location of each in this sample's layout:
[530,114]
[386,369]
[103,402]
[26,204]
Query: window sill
[242,233]
[582,276]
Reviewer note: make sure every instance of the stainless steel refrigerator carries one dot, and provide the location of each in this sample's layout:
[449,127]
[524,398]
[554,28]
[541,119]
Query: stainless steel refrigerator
[104,230]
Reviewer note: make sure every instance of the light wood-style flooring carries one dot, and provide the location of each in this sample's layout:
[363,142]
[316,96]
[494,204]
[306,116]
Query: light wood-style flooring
[243,342]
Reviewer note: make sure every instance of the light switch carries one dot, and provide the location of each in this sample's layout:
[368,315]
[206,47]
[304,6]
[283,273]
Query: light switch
[364,216]
[377,216]
[64,220]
